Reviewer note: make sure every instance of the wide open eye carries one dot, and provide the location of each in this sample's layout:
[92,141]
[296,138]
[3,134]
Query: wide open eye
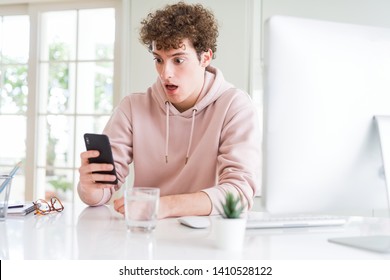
[158,60]
[179,60]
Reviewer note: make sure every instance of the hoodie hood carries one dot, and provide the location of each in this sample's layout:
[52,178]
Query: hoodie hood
[214,86]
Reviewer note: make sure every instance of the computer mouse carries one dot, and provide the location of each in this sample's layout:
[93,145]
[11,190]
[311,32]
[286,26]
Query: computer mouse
[195,221]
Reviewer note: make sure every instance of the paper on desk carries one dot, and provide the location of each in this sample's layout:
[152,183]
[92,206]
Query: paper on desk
[27,208]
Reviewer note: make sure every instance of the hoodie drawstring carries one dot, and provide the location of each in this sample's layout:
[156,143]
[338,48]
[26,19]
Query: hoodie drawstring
[191,134]
[167,132]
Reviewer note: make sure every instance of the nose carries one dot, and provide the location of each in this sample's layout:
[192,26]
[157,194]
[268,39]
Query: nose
[166,71]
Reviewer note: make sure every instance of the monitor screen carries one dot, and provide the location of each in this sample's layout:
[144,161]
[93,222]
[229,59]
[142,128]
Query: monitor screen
[324,83]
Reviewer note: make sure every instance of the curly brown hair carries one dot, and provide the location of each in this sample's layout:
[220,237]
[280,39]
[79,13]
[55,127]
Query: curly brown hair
[168,27]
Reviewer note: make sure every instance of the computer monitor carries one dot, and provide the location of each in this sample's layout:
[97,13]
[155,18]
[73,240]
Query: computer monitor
[324,83]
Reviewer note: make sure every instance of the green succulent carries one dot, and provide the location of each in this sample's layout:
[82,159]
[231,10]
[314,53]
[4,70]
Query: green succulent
[233,207]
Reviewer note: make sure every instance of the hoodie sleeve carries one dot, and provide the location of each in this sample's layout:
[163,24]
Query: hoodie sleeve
[239,155]
[119,129]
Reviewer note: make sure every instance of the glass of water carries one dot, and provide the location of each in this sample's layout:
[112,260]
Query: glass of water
[141,208]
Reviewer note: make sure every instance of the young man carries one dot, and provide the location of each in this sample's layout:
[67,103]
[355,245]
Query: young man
[192,134]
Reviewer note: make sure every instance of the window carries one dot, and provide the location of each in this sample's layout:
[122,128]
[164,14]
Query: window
[67,64]
[75,89]
[14,53]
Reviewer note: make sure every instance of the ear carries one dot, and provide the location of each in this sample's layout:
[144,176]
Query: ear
[206,58]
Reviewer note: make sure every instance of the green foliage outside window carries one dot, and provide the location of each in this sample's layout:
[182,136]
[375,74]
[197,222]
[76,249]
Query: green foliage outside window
[14,94]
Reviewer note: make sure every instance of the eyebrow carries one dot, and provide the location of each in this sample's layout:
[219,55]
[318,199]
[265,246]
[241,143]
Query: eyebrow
[172,55]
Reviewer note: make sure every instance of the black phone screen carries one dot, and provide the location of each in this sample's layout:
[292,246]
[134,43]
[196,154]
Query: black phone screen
[101,143]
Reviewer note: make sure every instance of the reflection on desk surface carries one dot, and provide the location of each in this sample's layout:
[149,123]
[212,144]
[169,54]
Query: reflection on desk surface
[100,233]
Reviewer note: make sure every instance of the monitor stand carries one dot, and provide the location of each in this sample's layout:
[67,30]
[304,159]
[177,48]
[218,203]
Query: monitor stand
[376,243]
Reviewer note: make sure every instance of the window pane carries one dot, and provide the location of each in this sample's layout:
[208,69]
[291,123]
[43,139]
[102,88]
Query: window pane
[56,141]
[13,150]
[75,91]
[57,182]
[96,34]
[12,139]
[15,39]
[94,88]
[58,33]
[57,88]
[14,52]
[14,90]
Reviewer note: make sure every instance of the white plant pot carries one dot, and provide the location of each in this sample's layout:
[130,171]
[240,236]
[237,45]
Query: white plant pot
[229,233]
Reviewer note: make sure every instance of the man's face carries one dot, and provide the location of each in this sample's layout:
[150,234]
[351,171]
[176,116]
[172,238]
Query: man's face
[181,73]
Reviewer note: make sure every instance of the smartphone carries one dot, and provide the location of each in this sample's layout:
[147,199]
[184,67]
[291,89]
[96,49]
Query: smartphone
[101,143]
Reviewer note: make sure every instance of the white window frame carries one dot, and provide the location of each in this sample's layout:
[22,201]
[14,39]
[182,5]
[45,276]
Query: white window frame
[33,9]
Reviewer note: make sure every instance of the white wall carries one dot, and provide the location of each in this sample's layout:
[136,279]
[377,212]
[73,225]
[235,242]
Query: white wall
[232,55]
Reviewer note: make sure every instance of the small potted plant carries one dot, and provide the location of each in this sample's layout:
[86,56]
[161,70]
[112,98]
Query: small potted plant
[232,207]
[230,228]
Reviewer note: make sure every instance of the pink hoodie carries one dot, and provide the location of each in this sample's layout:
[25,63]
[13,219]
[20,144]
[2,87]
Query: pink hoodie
[213,147]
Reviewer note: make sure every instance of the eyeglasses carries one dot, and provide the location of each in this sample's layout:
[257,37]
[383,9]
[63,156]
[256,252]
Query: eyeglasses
[43,207]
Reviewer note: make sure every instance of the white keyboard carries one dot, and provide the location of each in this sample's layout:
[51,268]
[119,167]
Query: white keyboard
[294,221]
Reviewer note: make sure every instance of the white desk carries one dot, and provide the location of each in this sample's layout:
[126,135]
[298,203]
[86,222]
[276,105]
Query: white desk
[100,233]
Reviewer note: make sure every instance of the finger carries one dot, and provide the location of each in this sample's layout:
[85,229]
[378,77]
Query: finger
[87,169]
[99,167]
[97,177]
[84,156]
[119,205]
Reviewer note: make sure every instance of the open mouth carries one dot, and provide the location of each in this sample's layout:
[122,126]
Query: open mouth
[171,87]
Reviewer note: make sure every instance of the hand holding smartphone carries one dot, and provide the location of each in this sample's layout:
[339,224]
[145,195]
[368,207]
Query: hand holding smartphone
[101,143]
